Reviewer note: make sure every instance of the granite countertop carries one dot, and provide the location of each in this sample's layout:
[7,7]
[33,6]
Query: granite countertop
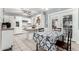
[8,29]
[30,29]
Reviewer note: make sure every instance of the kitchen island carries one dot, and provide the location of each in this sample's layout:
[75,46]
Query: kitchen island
[30,32]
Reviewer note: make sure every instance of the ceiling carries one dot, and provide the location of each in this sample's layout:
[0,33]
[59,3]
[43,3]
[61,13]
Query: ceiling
[29,12]
[22,11]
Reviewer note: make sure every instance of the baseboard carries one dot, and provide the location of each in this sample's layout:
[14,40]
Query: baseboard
[9,49]
[77,42]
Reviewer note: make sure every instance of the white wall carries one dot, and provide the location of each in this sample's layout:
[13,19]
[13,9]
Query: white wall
[20,28]
[59,16]
[11,19]
[1,17]
[1,14]
[75,14]
[76,24]
[42,23]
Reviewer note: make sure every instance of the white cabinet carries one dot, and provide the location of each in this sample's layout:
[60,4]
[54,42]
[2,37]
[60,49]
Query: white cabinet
[6,39]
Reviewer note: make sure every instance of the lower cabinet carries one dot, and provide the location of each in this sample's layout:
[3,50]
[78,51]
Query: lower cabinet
[6,39]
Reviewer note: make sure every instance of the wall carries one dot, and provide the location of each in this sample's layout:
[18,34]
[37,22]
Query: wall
[1,17]
[42,24]
[75,25]
[19,29]
[59,15]
[11,19]
[1,14]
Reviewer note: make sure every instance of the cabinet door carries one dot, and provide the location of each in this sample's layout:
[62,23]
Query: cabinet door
[7,36]
[0,36]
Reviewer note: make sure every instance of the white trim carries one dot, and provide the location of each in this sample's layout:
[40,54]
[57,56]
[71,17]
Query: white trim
[77,42]
[61,12]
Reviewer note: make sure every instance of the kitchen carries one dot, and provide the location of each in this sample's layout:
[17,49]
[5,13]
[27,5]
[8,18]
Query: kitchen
[22,24]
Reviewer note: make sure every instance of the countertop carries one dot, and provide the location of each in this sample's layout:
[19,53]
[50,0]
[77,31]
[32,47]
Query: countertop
[30,29]
[7,29]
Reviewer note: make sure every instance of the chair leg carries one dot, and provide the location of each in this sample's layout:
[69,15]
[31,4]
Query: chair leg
[37,47]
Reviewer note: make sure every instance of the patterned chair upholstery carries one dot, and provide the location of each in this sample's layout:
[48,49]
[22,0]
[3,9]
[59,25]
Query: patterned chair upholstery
[46,42]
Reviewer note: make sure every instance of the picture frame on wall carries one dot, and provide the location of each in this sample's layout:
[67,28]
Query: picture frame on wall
[38,20]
